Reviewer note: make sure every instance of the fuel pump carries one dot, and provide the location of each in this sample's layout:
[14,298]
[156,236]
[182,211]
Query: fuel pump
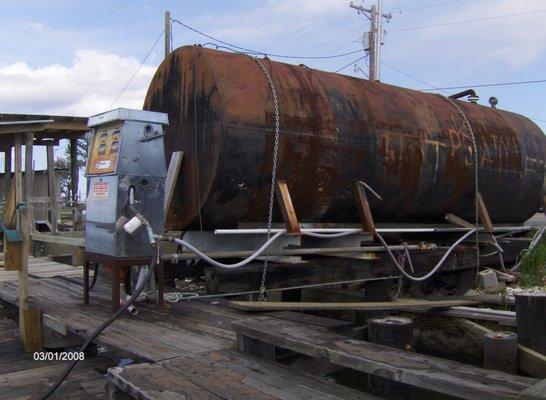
[126,178]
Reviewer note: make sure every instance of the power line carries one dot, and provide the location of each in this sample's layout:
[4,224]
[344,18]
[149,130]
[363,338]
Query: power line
[256,52]
[429,6]
[306,26]
[351,63]
[467,21]
[491,84]
[137,70]
[537,119]
[415,78]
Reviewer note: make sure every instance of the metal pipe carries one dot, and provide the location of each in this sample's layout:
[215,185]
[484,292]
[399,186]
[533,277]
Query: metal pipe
[262,231]
[467,92]
[298,252]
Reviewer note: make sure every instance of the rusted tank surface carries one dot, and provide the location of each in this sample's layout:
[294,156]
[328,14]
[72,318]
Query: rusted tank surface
[410,147]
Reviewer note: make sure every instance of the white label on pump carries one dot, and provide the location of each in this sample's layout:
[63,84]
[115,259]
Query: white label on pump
[99,191]
[103,164]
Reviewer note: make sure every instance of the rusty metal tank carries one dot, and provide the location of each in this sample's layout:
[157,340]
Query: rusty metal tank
[410,147]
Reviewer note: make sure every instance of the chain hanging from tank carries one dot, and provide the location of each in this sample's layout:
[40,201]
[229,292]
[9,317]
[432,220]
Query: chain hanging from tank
[261,293]
[468,127]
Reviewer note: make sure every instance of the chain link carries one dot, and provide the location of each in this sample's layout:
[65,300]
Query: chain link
[262,294]
[468,127]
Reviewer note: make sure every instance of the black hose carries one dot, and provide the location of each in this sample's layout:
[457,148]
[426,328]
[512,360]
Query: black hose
[102,327]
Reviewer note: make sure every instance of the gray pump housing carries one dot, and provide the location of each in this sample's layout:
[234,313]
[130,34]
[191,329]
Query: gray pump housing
[126,151]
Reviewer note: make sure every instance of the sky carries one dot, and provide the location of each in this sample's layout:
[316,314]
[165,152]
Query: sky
[75,57]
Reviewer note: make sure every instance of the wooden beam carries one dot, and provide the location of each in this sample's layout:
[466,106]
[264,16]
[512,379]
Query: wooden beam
[51,188]
[287,208]
[18,170]
[363,207]
[7,171]
[453,219]
[64,240]
[74,169]
[29,177]
[484,215]
[172,178]
[360,306]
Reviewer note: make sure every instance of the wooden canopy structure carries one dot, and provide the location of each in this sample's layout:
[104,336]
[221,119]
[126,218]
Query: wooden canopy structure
[29,130]
[18,131]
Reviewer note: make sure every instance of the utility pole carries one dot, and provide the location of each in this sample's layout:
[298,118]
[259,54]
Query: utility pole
[167,33]
[375,15]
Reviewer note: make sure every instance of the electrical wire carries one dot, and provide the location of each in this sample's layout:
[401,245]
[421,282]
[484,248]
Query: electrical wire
[413,77]
[466,21]
[351,63]
[137,70]
[427,6]
[488,85]
[102,327]
[257,52]
[433,270]
[306,26]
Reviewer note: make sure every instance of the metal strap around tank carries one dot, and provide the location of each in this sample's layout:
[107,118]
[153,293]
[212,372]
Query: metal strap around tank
[261,293]
[468,127]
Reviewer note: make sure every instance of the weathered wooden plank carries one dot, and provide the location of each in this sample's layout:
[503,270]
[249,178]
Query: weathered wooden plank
[66,240]
[330,323]
[535,392]
[438,375]
[361,306]
[507,318]
[226,375]
[171,179]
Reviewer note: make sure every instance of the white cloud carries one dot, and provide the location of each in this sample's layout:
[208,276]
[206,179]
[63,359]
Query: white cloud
[86,87]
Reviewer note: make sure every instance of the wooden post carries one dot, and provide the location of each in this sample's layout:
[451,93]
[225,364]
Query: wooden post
[18,171]
[287,208]
[74,179]
[29,144]
[531,320]
[167,33]
[51,188]
[363,207]
[7,171]
[484,215]
[501,352]
[393,332]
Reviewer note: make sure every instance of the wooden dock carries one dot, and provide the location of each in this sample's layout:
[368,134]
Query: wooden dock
[42,267]
[192,352]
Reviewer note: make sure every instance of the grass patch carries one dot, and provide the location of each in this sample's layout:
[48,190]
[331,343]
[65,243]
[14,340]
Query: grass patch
[533,266]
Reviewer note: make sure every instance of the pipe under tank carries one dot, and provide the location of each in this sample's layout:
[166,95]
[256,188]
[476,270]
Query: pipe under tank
[410,147]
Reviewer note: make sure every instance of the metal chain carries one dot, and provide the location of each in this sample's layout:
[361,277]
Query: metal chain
[262,294]
[468,127]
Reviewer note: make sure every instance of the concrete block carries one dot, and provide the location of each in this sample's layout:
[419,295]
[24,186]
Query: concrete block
[488,279]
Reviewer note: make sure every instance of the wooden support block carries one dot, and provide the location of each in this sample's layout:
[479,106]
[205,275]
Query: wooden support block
[484,215]
[256,347]
[501,352]
[12,255]
[364,210]
[529,361]
[287,208]
[391,331]
[31,329]
[531,320]
[453,219]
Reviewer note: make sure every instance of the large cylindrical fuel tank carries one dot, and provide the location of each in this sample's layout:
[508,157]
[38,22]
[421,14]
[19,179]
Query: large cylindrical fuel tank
[410,147]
